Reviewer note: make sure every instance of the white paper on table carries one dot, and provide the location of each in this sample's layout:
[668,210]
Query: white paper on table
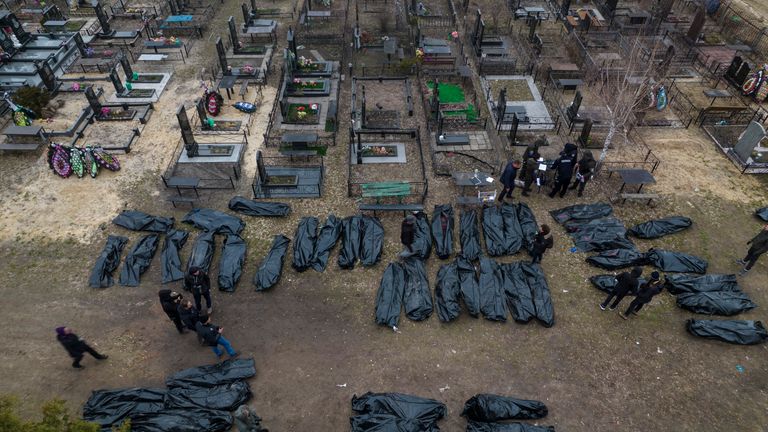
[542,167]
[489,179]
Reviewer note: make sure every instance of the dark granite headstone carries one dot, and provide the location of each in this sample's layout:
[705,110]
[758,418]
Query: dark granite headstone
[363,114]
[186,132]
[246,14]
[93,100]
[127,69]
[47,76]
[566,8]
[742,74]
[513,129]
[80,43]
[696,26]
[501,107]
[119,88]
[573,109]
[103,20]
[174,8]
[733,69]
[222,56]
[292,42]
[260,169]
[586,130]
[233,34]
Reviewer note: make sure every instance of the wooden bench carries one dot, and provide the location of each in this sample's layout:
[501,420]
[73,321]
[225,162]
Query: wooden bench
[638,196]
[244,88]
[391,207]
[386,189]
[180,200]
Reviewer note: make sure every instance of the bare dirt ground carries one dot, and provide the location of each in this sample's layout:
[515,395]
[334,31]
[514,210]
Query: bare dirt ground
[313,337]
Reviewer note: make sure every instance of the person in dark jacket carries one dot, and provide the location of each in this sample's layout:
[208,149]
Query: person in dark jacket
[200,285]
[170,300]
[644,295]
[585,169]
[188,314]
[508,179]
[407,235]
[627,283]
[76,347]
[528,172]
[540,244]
[210,335]
[532,151]
[563,167]
[759,246]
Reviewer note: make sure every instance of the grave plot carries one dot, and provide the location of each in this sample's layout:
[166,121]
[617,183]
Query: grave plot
[515,102]
[387,167]
[248,67]
[434,13]
[532,9]
[278,9]
[138,9]
[186,19]
[93,58]
[143,91]
[382,43]
[122,32]
[453,115]
[237,46]
[288,177]
[497,51]
[230,116]
[204,161]
[743,142]
[383,104]
[322,21]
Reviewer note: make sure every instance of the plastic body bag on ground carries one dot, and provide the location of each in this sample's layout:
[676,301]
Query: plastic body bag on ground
[213,375]
[677,262]
[502,230]
[426,412]
[469,235]
[417,298]
[271,267]
[724,303]
[326,240]
[214,221]
[442,230]
[304,243]
[528,225]
[350,241]
[138,259]
[660,227]
[182,420]
[422,238]
[106,263]
[170,259]
[739,332]
[618,259]
[231,262]
[448,293]
[371,241]
[513,234]
[202,252]
[527,293]
[474,426]
[389,298]
[599,235]
[225,397]
[762,213]
[490,283]
[686,283]
[258,208]
[491,408]
[139,221]
[581,212]
[108,407]
[607,283]
[387,423]
[470,290]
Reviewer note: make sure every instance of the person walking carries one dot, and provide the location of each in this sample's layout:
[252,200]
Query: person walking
[407,235]
[76,347]
[759,246]
[563,167]
[644,296]
[170,301]
[211,335]
[585,169]
[508,179]
[188,314]
[626,283]
[540,244]
[200,285]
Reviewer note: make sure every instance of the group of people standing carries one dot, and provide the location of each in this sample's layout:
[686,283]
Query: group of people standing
[629,283]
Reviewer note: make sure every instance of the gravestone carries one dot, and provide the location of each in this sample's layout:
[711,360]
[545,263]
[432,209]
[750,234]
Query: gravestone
[532,23]
[202,113]
[52,13]
[47,76]
[610,5]
[748,140]
[696,26]
[586,130]
[18,29]
[663,10]
[116,81]
[436,98]
[93,100]
[440,121]
[513,129]
[222,56]
[246,14]
[741,76]
[253,6]
[501,107]
[127,69]
[573,109]
[80,43]
[186,132]
[290,61]
[362,109]
[260,169]
[103,20]
[174,8]
[565,10]
[292,43]
[233,34]
[733,69]
[6,43]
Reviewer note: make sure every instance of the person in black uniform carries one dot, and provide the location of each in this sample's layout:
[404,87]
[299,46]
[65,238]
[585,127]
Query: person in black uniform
[540,244]
[76,347]
[200,285]
[188,314]
[644,296]
[585,169]
[170,300]
[563,167]
[627,283]
[759,246]
[508,179]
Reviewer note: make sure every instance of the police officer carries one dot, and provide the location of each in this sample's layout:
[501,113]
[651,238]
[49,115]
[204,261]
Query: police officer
[563,167]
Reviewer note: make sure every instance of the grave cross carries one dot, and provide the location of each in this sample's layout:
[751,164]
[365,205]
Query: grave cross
[93,100]
[116,81]
[186,132]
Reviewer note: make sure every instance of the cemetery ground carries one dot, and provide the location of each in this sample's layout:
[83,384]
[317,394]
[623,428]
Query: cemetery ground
[313,336]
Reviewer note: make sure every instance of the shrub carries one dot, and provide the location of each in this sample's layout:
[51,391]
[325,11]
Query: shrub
[33,98]
[56,417]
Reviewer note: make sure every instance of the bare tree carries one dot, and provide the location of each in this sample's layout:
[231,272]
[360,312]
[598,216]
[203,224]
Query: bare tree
[625,90]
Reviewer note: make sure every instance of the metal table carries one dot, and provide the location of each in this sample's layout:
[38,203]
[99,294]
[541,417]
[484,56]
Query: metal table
[227,83]
[468,179]
[635,176]
[717,93]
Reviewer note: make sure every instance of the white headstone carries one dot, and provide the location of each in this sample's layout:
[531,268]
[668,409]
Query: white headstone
[748,140]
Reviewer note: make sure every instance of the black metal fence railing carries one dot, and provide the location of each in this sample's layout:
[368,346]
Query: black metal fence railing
[314,163]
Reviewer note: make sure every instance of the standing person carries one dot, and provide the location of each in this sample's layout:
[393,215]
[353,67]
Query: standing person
[644,296]
[528,172]
[210,335]
[532,151]
[188,314]
[759,246]
[508,179]
[170,301]
[76,347]
[540,244]
[627,282]
[563,167]
[200,285]
[585,169]
[407,235]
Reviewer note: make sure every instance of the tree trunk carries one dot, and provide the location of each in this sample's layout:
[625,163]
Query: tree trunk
[607,142]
